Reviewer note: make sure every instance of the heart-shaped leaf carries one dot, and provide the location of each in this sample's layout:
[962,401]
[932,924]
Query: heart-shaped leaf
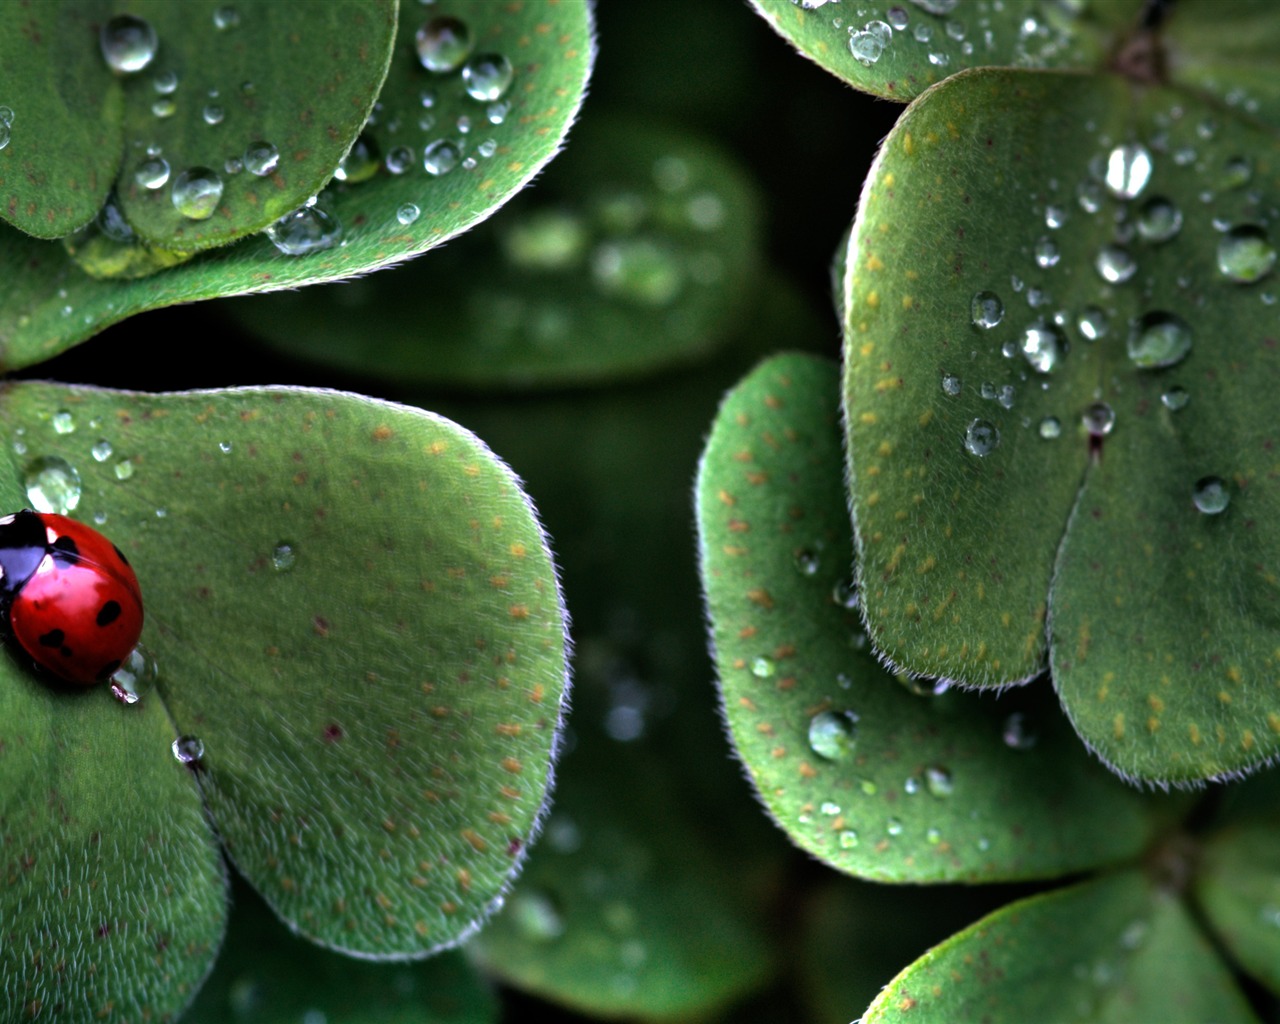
[1080,345]
[114,899]
[195,85]
[1112,950]
[897,50]
[639,248]
[866,772]
[1238,887]
[355,631]
[374,216]
[267,976]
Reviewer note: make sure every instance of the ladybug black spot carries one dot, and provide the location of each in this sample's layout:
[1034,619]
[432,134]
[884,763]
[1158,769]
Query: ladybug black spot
[119,554]
[108,613]
[53,638]
[65,551]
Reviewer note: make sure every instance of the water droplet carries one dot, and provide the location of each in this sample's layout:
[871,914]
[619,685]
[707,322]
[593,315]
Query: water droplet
[261,158]
[1050,428]
[1099,419]
[897,18]
[63,422]
[304,231]
[5,134]
[869,44]
[1132,937]
[848,839]
[1089,196]
[128,43]
[1175,398]
[440,157]
[487,77]
[807,563]
[638,270]
[196,193]
[1092,323]
[893,826]
[225,18]
[163,107]
[1245,255]
[165,83]
[762,667]
[1158,339]
[1159,220]
[102,450]
[845,595]
[152,173]
[1055,216]
[6,115]
[225,447]
[283,557]
[52,484]
[135,677]
[1017,735]
[361,162]
[1114,264]
[933,836]
[188,749]
[1046,253]
[832,734]
[937,6]
[1236,172]
[124,469]
[1044,346]
[407,213]
[443,44]
[213,114]
[986,310]
[536,915]
[1128,170]
[399,159]
[1211,495]
[951,384]
[938,781]
[830,808]
[981,438]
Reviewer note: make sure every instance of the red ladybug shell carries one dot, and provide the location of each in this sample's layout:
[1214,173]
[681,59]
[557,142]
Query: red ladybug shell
[74,605]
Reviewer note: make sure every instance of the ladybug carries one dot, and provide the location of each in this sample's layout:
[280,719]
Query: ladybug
[68,595]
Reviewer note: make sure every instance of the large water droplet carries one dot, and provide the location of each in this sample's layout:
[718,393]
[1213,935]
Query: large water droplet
[440,157]
[1245,255]
[213,114]
[1128,170]
[833,734]
[407,213]
[1211,495]
[135,677]
[128,43]
[1159,220]
[188,749]
[152,173]
[399,159]
[196,193]
[986,310]
[304,231]
[1114,264]
[52,485]
[869,44]
[981,438]
[261,158]
[1158,339]
[1099,419]
[443,44]
[487,77]
[1044,346]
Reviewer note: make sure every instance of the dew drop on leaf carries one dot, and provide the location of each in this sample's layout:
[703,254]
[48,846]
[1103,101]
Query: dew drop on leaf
[1236,172]
[833,734]
[226,18]
[1115,264]
[1099,419]
[938,781]
[305,230]
[981,438]
[128,43]
[361,162]
[951,384]
[1157,339]
[399,159]
[261,158]
[1159,220]
[440,157]
[1017,734]
[443,44]
[487,77]
[196,193]
[1175,398]
[1050,428]
[52,485]
[407,213]
[188,749]
[1046,253]
[124,469]
[869,44]
[1211,495]
[536,915]
[63,422]
[1091,323]
[986,310]
[283,557]
[135,677]
[1044,346]
[152,173]
[102,450]
[1245,255]
[1128,170]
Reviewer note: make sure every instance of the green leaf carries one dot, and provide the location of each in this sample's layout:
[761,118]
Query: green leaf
[267,976]
[1225,48]
[897,51]
[50,304]
[1109,951]
[1162,617]
[870,775]
[639,248]
[61,136]
[114,898]
[1238,889]
[351,605]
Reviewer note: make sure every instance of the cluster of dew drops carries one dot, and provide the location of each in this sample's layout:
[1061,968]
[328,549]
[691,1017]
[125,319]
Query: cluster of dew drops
[832,731]
[53,484]
[1156,339]
[444,47]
